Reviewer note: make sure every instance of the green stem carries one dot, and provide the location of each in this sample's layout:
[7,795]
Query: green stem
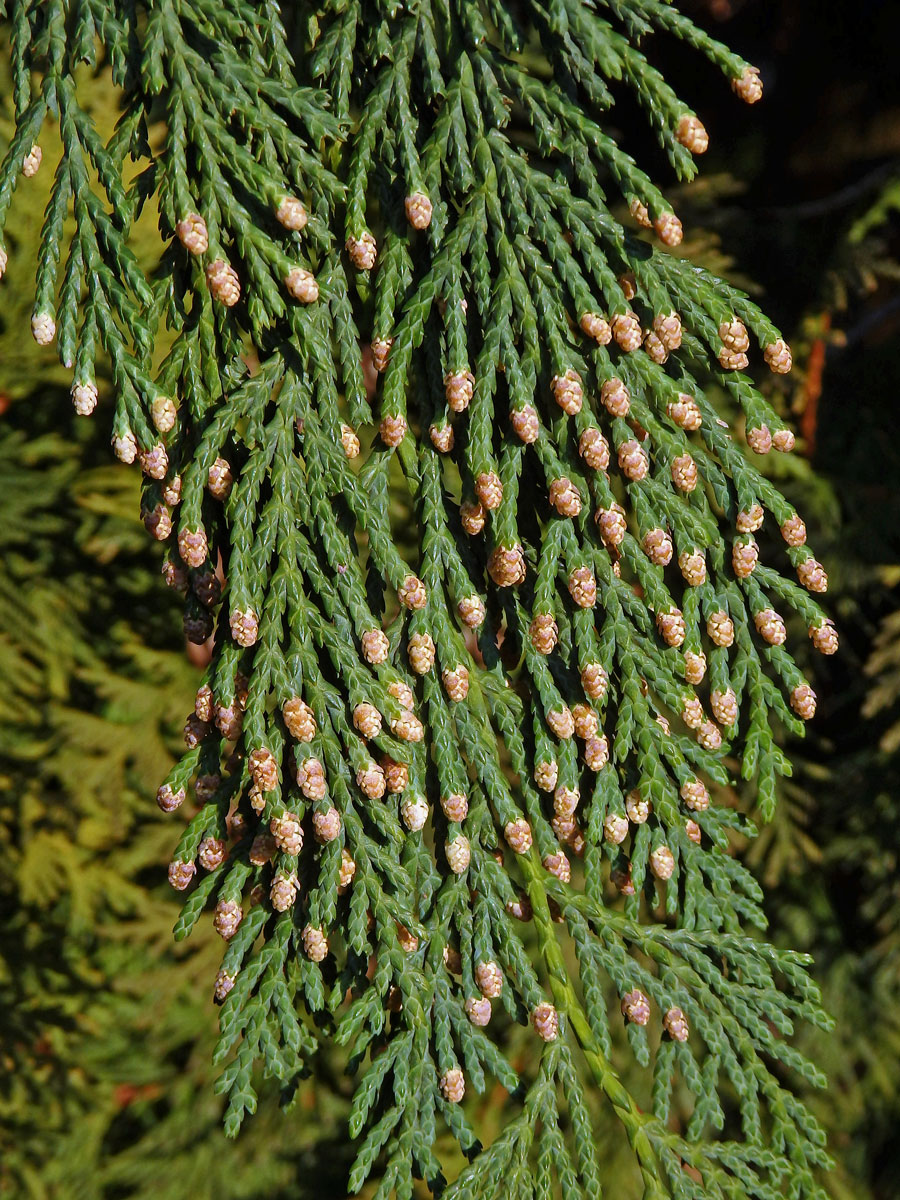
[567,1002]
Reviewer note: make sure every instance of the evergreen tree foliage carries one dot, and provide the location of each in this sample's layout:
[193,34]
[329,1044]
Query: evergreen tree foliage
[394,258]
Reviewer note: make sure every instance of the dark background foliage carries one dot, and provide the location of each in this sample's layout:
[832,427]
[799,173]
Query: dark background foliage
[105,1028]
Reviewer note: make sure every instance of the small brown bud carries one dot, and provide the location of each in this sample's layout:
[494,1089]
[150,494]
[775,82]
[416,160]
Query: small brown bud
[193,234]
[367,720]
[749,86]
[668,229]
[720,629]
[220,479]
[442,438]
[594,680]
[803,701]
[407,727]
[478,1010]
[154,462]
[685,412]
[291,214]
[472,517]
[596,753]
[459,388]
[760,439]
[421,653]
[676,1026]
[244,627]
[658,547]
[195,731]
[381,352]
[615,829]
[193,547]
[640,213]
[412,593]
[633,461]
[227,918]
[402,691]
[770,626]
[375,646]
[362,251]
[709,735]
[456,683]
[812,575]
[370,781]
[315,943]
[347,871]
[692,564]
[655,347]
[311,779]
[455,806]
[518,835]
[125,447]
[596,327]
[594,449]
[692,712]
[84,397]
[349,441]
[526,423]
[662,862]
[693,832]
[489,979]
[733,360]
[393,429]
[212,853]
[299,719]
[32,161]
[223,985]
[778,357]
[684,473]
[694,666]
[223,283]
[724,706]
[744,557]
[783,441]
[506,565]
[615,398]
[794,531]
[453,1085]
[326,825]
[418,210]
[695,795]
[546,775]
[458,854]
[472,611]
[158,523]
[636,1007]
[667,327]
[396,775]
[181,874]
[692,134]
[612,525]
[545,1020]
[566,801]
[824,637]
[671,626]
[168,800]
[263,768]
[637,809]
[489,489]
[565,497]
[568,391]
[583,587]
[586,720]
[750,520]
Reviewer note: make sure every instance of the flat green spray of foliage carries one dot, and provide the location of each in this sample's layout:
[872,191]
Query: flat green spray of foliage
[441,791]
